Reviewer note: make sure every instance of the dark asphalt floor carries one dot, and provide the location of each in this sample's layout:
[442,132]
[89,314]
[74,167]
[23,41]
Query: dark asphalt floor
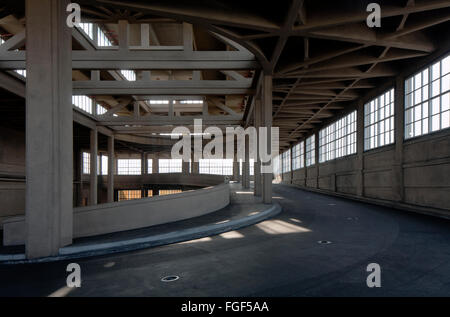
[279,257]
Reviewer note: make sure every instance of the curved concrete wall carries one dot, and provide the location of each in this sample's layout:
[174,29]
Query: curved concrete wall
[127,215]
[133,214]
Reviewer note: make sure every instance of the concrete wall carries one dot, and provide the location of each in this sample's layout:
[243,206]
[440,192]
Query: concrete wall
[128,215]
[424,184]
[12,173]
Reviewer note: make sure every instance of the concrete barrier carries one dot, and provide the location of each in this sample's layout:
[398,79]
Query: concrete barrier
[133,214]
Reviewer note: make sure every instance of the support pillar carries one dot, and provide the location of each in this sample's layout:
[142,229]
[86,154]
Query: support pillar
[267,122]
[360,150]
[111,169]
[246,165]
[398,187]
[317,158]
[235,169]
[155,165]
[93,173]
[257,165]
[49,134]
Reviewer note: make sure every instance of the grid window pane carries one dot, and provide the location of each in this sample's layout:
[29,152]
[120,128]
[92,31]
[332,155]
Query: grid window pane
[311,150]
[379,116]
[149,166]
[427,99]
[83,102]
[286,161]
[298,156]
[163,192]
[216,166]
[339,139]
[170,165]
[129,167]
[86,163]
[129,194]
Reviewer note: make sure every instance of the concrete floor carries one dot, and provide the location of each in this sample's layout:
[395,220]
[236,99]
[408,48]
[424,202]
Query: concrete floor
[279,257]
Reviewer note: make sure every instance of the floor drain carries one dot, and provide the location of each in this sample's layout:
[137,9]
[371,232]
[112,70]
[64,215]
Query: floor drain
[171,278]
[324,242]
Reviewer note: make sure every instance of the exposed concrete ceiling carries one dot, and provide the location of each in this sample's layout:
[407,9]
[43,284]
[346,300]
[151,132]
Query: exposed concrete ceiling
[321,53]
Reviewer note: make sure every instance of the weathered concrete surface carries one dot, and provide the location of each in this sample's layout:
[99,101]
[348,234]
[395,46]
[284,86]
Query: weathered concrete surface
[133,214]
[277,257]
[424,183]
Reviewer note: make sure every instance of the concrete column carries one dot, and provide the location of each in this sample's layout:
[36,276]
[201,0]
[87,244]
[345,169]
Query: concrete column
[185,167]
[267,122]
[80,177]
[93,173]
[246,165]
[236,177]
[49,134]
[398,186]
[155,165]
[195,167]
[304,163]
[316,150]
[257,166]
[123,35]
[111,169]
[360,150]
[144,168]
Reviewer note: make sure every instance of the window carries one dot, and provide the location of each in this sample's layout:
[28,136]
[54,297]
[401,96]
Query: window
[310,150]
[102,164]
[150,193]
[88,28]
[129,167]
[276,165]
[149,166]
[130,75]
[163,192]
[129,194]
[338,139]
[427,100]
[191,102]
[379,121]
[298,156]
[100,109]
[170,165]
[158,102]
[102,39]
[86,163]
[21,72]
[251,167]
[216,166]
[286,161]
[82,102]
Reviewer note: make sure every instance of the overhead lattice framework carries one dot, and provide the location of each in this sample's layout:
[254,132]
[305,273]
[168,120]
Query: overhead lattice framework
[321,54]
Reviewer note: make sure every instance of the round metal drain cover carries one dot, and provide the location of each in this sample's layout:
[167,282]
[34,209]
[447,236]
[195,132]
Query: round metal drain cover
[170,278]
[324,242]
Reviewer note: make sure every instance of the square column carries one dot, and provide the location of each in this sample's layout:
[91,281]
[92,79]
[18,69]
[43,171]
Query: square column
[257,165]
[49,134]
[111,169]
[267,122]
[93,185]
[246,165]
[155,165]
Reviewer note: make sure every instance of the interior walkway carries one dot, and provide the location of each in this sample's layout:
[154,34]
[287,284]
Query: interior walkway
[278,257]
